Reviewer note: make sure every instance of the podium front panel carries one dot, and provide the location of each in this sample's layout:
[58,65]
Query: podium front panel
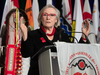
[55,67]
[48,63]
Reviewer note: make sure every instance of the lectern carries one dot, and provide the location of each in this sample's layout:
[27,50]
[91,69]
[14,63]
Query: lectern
[48,64]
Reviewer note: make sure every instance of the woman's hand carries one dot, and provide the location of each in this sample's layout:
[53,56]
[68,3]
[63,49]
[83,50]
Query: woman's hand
[23,29]
[85,28]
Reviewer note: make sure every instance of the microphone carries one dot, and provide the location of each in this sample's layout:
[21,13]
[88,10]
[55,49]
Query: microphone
[73,37]
[44,48]
[78,32]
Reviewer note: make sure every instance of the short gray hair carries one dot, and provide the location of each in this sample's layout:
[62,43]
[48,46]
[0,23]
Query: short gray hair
[57,14]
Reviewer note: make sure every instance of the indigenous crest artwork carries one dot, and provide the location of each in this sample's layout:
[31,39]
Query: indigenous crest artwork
[83,67]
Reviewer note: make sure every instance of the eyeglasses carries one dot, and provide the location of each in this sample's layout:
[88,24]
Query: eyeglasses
[51,15]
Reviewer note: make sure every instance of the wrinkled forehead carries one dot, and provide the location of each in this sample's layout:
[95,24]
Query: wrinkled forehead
[49,10]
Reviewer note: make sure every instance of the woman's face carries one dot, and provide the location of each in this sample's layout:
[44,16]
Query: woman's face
[49,17]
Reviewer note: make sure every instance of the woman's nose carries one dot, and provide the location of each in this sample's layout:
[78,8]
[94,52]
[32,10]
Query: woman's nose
[48,16]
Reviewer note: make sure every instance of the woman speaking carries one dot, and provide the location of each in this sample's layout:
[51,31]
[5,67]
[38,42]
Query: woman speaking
[33,41]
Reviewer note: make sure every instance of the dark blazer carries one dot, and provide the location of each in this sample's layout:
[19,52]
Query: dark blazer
[35,41]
